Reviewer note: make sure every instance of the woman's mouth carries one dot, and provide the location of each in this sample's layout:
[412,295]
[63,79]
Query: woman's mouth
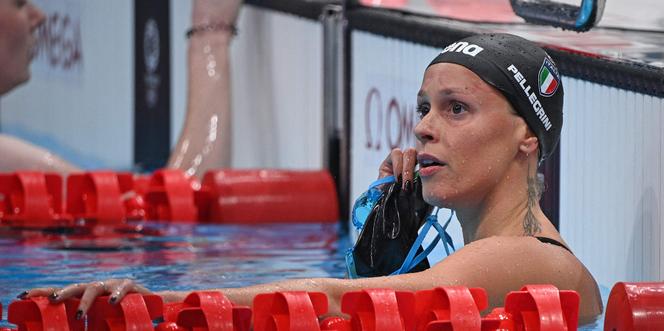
[429,164]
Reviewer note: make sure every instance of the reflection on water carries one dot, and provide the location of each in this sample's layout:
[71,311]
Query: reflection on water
[183,257]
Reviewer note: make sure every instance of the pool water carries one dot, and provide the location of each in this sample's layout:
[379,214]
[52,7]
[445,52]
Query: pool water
[178,257]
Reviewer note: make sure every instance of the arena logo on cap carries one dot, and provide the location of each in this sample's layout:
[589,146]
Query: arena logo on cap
[463,47]
[548,78]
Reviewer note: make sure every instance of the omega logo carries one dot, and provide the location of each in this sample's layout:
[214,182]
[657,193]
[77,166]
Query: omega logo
[151,55]
[388,124]
[59,41]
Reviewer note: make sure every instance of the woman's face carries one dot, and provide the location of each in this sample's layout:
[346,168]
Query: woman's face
[18,19]
[468,136]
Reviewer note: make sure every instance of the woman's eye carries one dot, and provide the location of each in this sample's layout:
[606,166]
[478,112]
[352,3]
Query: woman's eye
[458,108]
[422,110]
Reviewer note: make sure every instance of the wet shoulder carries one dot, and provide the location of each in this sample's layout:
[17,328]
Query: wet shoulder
[526,257]
[503,264]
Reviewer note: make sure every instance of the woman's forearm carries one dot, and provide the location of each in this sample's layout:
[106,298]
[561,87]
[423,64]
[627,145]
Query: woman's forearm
[17,154]
[205,141]
[334,288]
[244,296]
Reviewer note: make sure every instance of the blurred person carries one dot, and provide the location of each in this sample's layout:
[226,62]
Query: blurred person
[490,111]
[205,140]
[18,21]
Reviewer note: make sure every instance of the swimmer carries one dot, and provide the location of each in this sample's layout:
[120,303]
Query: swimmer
[19,19]
[491,111]
[205,140]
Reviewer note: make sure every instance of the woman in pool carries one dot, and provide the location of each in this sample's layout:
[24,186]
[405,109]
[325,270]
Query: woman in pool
[491,110]
[205,140]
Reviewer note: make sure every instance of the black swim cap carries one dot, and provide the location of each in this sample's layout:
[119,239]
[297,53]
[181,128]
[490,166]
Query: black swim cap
[523,72]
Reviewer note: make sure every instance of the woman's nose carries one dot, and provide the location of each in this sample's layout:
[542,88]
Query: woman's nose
[424,131]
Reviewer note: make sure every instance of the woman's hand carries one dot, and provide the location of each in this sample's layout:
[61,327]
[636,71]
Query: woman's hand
[400,164]
[88,292]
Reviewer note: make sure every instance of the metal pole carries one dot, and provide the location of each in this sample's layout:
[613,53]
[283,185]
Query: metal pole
[335,146]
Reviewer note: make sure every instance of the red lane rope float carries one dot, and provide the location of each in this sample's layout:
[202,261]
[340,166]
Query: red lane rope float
[36,314]
[289,311]
[543,308]
[31,199]
[270,196]
[203,311]
[134,312]
[635,306]
[452,308]
[535,307]
[170,197]
[379,310]
[98,196]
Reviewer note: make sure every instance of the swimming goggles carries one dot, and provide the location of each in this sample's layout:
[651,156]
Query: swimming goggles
[384,201]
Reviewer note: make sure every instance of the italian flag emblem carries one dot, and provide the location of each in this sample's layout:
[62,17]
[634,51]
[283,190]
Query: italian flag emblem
[548,78]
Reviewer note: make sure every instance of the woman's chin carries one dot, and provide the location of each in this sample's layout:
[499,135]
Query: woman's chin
[438,199]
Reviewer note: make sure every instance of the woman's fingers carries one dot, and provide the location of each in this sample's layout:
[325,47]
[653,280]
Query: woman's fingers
[121,290]
[115,288]
[386,168]
[400,164]
[37,292]
[392,164]
[67,292]
[396,156]
[409,162]
[92,291]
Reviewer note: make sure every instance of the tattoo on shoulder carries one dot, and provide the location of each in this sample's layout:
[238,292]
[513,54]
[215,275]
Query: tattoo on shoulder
[531,225]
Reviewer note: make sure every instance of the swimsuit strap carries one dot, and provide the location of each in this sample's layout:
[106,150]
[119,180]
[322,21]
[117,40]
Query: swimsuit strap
[553,242]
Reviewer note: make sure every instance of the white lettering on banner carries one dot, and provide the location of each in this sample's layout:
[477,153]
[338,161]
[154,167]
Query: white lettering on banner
[532,97]
[58,48]
[463,47]
[391,126]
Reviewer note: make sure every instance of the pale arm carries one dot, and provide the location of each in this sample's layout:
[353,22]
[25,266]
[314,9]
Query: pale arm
[497,264]
[17,154]
[205,140]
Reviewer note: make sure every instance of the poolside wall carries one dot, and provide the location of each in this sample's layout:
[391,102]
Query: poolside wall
[612,150]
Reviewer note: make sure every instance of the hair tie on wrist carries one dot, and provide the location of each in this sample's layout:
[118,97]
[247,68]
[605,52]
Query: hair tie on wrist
[211,27]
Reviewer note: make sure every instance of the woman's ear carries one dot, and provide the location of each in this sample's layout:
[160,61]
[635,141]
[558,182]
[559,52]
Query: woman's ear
[529,145]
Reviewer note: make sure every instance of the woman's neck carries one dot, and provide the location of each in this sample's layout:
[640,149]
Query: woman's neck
[510,209]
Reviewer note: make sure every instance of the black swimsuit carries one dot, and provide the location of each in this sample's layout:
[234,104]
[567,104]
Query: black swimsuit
[553,242]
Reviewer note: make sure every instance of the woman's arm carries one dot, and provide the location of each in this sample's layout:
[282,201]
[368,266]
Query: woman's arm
[17,154]
[205,140]
[497,264]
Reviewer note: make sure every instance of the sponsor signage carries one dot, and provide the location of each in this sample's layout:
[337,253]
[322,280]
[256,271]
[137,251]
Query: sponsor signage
[152,84]
[59,46]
